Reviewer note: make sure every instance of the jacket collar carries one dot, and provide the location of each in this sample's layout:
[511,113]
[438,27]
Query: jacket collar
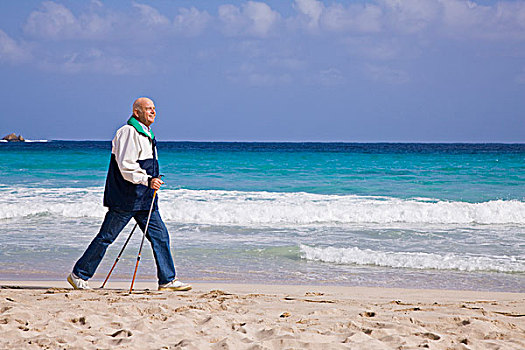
[141,128]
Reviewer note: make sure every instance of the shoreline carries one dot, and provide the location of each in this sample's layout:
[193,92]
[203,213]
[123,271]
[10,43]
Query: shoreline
[49,314]
[487,283]
[249,287]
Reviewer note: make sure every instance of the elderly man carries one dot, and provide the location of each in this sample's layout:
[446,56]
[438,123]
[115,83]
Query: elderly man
[132,178]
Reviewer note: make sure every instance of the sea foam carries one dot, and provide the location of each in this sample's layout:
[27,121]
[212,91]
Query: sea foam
[266,208]
[419,260]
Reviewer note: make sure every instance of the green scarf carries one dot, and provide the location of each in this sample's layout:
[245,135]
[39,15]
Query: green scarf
[138,126]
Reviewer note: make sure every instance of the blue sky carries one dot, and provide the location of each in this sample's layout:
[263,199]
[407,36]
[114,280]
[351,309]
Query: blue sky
[303,70]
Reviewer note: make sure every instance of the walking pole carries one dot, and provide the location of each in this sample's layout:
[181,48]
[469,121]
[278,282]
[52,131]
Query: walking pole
[119,255]
[142,242]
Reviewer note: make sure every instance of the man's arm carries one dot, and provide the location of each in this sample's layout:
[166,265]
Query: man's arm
[126,148]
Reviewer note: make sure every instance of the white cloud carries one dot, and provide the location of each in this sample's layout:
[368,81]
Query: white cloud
[252,18]
[53,21]
[11,51]
[261,16]
[503,20]
[385,74]
[456,18]
[191,22]
[56,22]
[232,19]
[453,18]
[150,16]
[100,26]
[367,31]
[410,16]
[309,11]
[360,18]
[464,14]
[316,17]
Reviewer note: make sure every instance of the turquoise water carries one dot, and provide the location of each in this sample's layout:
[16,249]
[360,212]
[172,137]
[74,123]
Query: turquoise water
[403,215]
[450,172]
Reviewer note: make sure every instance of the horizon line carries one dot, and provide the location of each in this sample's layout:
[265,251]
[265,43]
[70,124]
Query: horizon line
[295,141]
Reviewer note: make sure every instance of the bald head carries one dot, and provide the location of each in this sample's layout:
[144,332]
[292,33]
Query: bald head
[144,110]
[139,102]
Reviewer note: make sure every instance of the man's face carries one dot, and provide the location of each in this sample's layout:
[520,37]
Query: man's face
[146,112]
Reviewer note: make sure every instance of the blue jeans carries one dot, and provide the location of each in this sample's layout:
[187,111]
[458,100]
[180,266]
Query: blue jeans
[113,224]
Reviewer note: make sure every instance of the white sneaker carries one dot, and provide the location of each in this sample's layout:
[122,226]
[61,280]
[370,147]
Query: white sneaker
[77,282]
[175,285]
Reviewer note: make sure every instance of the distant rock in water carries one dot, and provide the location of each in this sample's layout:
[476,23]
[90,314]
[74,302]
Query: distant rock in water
[13,138]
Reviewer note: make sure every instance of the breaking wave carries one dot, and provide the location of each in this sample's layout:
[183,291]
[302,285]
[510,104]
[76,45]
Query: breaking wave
[266,208]
[418,260]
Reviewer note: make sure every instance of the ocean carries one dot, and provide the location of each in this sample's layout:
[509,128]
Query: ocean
[440,216]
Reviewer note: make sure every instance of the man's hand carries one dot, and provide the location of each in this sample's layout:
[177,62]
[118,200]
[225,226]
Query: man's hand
[156,182]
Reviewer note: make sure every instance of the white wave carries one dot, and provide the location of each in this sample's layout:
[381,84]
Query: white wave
[419,260]
[66,202]
[266,208]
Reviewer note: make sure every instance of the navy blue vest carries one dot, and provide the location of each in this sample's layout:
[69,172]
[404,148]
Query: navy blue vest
[123,195]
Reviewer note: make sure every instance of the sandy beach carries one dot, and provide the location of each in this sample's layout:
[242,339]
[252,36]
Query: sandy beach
[50,315]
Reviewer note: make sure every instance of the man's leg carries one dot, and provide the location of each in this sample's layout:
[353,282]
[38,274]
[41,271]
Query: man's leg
[114,222]
[160,242]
